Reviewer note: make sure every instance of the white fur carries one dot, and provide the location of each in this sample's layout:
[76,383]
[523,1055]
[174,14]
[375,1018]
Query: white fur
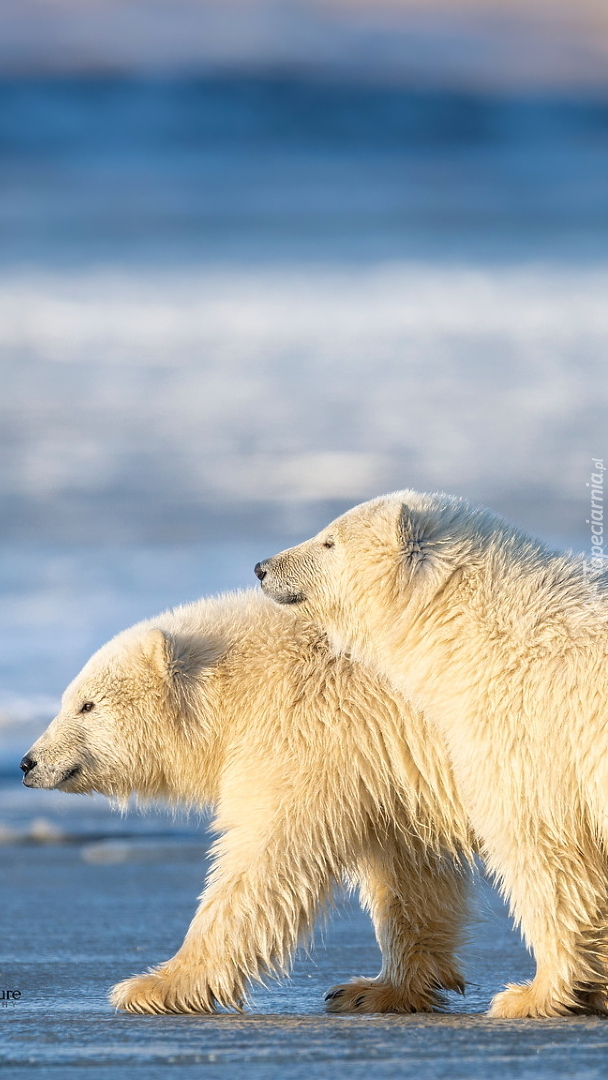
[317,772]
[504,646]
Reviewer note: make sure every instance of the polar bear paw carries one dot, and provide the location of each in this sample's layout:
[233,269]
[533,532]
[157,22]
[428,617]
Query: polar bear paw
[525,1000]
[370,996]
[163,991]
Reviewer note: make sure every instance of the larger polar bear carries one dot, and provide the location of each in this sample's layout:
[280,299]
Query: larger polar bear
[316,771]
[504,645]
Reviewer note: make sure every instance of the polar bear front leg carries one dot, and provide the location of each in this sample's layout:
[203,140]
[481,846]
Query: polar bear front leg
[204,975]
[418,903]
[256,908]
[560,902]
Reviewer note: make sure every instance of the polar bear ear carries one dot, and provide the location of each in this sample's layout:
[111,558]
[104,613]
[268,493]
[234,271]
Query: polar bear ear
[427,569]
[157,650]
[406,524]
[412,541]
[176,656]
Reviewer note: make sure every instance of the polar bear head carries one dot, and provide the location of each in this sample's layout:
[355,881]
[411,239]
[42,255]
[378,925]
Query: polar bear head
[121,719]
[384,559]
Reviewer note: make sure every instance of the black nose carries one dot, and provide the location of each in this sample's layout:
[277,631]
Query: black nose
[27,764]
[259,570]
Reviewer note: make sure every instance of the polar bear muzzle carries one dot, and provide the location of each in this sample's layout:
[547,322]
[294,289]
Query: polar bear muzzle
[37,774]
[269,575]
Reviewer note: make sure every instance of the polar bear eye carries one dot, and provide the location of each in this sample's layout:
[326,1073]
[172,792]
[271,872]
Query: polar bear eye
[328,543]
[88,705]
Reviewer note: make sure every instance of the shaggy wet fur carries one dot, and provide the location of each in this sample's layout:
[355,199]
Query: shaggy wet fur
[504,646]
[317,773]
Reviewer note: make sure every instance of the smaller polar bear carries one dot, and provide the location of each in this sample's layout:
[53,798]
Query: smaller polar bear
[317,773]
[504,645]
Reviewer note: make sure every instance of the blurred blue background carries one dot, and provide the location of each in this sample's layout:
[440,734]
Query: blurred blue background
[260,261]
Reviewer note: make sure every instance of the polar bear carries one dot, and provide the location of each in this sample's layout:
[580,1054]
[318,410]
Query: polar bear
[503,645]
[317,773]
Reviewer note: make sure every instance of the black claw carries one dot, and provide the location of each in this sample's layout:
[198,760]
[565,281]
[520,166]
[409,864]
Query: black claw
[333,994]
[359,1001]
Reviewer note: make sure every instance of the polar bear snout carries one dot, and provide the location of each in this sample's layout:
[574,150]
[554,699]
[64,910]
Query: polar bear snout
[33,776]
[275,583]
[26,765]
[38,773]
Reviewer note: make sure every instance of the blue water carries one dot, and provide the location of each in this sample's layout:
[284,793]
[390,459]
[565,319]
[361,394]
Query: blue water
[286,166]
[233,305]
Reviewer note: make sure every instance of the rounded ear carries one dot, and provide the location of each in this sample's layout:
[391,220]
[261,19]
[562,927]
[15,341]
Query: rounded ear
[405,524]
[428,569]
[411,539]
[157,650]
